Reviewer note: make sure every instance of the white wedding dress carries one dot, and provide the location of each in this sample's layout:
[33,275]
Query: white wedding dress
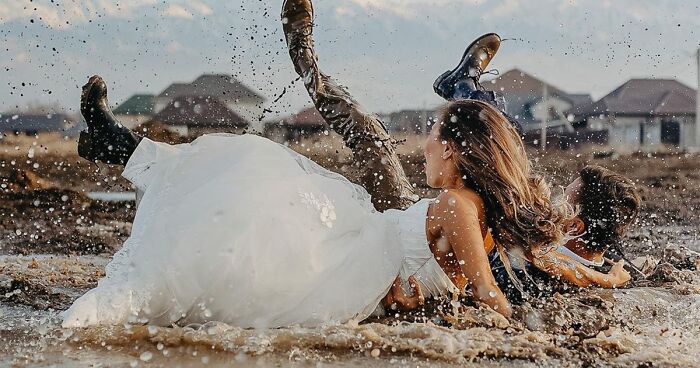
[242,230]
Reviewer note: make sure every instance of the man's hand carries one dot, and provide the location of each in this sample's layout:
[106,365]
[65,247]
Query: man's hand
[618,275]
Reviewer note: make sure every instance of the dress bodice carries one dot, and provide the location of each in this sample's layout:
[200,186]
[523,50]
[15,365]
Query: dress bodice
[418,259]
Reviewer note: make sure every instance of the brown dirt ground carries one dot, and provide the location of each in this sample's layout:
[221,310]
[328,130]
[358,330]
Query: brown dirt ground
[44,210]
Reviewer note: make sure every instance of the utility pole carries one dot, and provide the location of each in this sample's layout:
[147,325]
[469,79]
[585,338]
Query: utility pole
[424,119]
[545,120]
[697,105]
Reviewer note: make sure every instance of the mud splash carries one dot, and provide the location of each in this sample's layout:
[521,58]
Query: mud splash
[60,240]
[628,327]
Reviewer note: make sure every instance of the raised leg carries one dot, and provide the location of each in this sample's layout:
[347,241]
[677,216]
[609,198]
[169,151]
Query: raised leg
[106,140]
[462,82]
[373,150]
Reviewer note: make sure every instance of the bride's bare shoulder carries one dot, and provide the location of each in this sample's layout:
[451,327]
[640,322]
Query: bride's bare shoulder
[463,199]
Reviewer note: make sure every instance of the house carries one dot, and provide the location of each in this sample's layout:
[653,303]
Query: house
[526,101]
[644,113]
[197,115]
[305,124]
[32,124]
[408,121]
[136,110]
[237,97]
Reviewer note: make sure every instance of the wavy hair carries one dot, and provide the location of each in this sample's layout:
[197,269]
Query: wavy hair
[492,160]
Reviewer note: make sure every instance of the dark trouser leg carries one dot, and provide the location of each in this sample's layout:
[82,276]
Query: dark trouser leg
[493,98]
[373,150]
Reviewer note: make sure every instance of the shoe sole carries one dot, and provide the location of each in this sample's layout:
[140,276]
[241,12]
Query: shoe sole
[284,6]
[85,146]
[85,139]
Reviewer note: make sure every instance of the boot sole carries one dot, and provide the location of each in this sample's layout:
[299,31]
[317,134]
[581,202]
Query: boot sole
[85,146]
[85,149]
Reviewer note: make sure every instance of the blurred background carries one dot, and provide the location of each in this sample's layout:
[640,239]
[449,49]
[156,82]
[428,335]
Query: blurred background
[617,73]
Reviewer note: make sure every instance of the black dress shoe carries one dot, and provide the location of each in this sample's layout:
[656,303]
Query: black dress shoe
[106,140]
[465,77]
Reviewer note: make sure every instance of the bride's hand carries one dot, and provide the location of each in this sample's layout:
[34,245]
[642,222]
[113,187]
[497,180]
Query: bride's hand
[399,300]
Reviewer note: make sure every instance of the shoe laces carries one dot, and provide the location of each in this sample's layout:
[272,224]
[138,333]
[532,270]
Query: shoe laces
[490,71]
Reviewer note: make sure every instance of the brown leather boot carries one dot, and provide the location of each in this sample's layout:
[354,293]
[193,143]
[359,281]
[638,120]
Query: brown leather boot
[465,77]
[297,23]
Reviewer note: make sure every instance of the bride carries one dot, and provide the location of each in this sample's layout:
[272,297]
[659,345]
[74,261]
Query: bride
[243,230]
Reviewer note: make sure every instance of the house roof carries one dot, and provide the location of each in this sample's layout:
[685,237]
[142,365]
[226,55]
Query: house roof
[222,86]
[580,99]
[522,90]
[136,105]
[34,122]
[308,117]
[408,120]
[199,111]
[645,97]
[516,81]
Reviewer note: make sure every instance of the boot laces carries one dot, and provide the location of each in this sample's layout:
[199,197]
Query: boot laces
[481,73]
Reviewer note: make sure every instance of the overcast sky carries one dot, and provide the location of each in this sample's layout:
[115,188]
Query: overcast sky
[387,51]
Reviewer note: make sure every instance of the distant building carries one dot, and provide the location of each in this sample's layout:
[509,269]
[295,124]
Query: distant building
[644,113]
[408,121]
[136,110]
[197,115]
[239,99]
[526,101]
[305,124]
[31,124]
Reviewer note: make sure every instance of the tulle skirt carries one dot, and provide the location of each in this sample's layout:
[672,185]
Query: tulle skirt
[242,230]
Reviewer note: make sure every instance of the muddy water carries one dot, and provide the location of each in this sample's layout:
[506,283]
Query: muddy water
[656,321]
[659,324]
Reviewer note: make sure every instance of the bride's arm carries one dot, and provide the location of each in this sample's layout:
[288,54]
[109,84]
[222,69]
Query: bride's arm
[562,266]
[459,220]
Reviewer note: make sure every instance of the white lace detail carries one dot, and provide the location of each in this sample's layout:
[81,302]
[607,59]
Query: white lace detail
[359,193]
[323,205]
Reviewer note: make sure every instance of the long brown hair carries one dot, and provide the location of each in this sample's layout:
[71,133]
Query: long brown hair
[492,161]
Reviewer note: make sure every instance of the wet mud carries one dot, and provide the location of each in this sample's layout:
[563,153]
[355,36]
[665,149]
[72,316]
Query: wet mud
[55,241]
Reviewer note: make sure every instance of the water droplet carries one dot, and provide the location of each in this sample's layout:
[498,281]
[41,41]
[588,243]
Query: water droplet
[492,293]
[146,356]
